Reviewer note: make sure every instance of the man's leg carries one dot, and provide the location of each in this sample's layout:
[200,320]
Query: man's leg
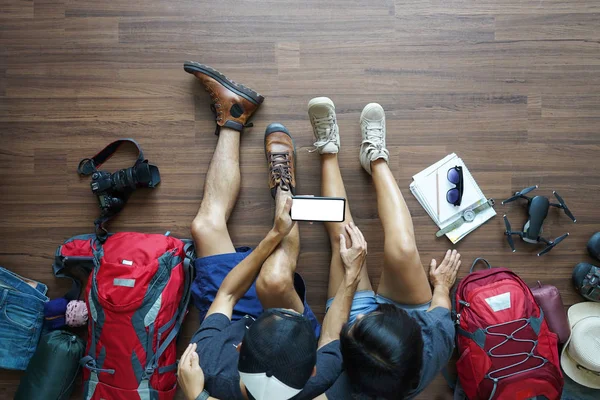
[221,188]
[332,185]
[222,185]
[275,283]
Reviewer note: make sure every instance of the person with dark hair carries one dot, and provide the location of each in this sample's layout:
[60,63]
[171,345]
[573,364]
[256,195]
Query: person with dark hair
[398,339]
[258,336]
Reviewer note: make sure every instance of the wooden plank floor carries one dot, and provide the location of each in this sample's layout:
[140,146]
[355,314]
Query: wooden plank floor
[512,86]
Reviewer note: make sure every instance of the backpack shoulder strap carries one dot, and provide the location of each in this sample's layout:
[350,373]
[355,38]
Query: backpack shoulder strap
[181,310]
[73,267]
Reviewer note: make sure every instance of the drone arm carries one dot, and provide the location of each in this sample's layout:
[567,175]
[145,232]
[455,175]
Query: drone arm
[551,243]
[515,198]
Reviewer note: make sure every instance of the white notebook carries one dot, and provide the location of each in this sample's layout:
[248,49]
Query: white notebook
[430,187]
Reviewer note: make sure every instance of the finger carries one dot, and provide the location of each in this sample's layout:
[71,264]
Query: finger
[361,236]
[457,266]
[432,266]
[452,258]
[185,357]
[195,360]
[446,257]
[352,232]
[288,205]
[187,351]
[457,259]
[343,242]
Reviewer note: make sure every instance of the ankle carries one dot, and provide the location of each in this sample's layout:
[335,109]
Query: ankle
[229,132]
[378,164]
[328,157]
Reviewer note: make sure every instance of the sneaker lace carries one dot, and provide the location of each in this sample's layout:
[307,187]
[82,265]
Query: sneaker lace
[374,138]
[280,169]
[326,131]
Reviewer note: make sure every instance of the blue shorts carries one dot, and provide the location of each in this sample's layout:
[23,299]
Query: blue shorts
[21,319]
[366,301]
[212,270]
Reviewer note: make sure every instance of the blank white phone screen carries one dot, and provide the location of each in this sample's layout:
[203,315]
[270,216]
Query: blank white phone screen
[315,209]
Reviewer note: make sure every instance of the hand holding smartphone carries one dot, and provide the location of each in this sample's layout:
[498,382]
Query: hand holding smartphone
[318,209]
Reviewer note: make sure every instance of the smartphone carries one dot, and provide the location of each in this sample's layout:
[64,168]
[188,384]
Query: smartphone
[325,209]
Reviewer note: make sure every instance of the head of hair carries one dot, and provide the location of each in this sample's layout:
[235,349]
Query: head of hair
[383,353]
[280,343]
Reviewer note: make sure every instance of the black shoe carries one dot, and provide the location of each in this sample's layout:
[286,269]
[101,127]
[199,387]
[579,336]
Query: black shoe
[586,279]
[593,246]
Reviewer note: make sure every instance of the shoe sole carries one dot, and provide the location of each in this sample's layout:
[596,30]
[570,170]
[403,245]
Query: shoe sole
[277,127]
[237,88]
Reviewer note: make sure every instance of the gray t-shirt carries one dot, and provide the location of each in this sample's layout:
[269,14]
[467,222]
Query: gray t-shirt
[438,343]
[217,339]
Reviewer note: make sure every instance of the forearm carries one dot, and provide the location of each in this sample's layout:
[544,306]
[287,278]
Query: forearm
[338,313]
[441,298]
[239,279]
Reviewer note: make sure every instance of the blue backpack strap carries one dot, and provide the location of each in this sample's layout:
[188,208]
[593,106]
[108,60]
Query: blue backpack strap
[181,310]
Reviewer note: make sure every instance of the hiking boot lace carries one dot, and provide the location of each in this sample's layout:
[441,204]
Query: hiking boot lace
[280,169]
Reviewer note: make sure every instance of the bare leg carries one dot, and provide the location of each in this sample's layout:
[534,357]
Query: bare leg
[403,278]
[275,283]
[221,188]
[332,185]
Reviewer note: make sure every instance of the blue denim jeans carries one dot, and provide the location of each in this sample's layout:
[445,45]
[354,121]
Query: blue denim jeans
[21,318]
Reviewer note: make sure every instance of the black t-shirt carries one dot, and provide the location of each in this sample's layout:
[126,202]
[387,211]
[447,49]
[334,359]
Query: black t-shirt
[217,339]
[437,330]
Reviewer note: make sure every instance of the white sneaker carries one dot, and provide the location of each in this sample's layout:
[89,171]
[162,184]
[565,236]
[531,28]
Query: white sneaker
[321,112]
[372,126]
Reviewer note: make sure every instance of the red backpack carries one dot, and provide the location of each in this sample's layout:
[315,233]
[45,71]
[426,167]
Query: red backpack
[137,296]
[506,349]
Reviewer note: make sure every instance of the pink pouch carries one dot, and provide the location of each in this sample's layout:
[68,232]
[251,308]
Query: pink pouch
[548,297]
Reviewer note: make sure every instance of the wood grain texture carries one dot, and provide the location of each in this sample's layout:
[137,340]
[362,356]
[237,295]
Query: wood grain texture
[512,86]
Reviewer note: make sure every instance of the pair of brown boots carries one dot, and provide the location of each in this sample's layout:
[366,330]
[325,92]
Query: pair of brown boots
[233,104]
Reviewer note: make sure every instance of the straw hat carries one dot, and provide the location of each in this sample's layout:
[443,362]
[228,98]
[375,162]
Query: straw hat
[580,358]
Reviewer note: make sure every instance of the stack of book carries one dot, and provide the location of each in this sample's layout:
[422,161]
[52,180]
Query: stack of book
[430,187]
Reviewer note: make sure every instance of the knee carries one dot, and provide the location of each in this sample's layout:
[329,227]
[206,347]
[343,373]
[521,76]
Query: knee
[400,251]
[274,283]
[205,225]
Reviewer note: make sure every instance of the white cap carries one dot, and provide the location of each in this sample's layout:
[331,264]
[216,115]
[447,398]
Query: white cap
[263,387]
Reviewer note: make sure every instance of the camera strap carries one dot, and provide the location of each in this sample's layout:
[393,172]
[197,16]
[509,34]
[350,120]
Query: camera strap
[88,166]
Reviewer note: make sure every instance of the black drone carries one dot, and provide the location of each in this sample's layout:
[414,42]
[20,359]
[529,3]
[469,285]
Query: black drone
[537,208]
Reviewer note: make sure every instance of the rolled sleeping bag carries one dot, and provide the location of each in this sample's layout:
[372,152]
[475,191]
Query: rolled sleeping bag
[53,368]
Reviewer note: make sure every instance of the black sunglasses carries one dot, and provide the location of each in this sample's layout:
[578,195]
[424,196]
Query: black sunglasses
[455,176]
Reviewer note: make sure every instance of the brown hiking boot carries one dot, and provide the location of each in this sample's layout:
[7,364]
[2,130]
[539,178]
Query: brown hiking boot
[232,103]
[281,157]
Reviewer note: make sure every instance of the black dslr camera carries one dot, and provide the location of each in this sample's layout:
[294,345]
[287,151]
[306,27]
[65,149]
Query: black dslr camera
[113,190]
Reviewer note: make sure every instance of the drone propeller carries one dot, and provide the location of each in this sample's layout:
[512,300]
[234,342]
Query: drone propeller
[508,234]
[553,244]
[519,194]
[564,206]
